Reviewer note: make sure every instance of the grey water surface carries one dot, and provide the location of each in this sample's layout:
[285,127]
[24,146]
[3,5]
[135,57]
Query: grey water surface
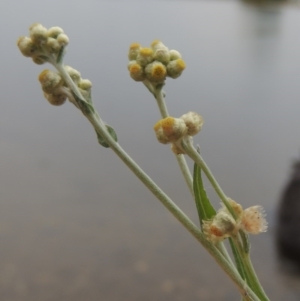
[75,224]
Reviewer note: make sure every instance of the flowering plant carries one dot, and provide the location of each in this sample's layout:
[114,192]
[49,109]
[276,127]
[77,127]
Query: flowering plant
[151,66]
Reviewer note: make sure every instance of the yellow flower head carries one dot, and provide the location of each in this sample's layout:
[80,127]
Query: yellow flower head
[156,72]
[170,129]
[134,50]
[136,71]
[157,44]
[145,56]
[175,68]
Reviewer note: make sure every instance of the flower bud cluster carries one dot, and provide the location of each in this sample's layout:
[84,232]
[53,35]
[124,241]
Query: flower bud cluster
[251,220]
[171,130]
[55,89]
[42,43]
[154,63]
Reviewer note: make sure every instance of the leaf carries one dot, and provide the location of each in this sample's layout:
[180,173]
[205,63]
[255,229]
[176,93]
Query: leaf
[205,209]
[111,132]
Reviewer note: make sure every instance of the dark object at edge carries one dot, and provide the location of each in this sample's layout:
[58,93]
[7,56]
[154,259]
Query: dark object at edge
[288,222]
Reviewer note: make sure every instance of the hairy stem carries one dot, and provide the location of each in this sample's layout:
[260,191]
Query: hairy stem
[101,129]
[160,99]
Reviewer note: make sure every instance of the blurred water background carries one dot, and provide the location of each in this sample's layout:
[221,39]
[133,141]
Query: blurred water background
[75,224]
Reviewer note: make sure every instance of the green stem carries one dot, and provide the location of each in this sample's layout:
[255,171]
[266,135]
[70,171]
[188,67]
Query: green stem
[101,129]
[256,286]
[174,209]
[243,250]
[196,157]
[251,276]
[160,99]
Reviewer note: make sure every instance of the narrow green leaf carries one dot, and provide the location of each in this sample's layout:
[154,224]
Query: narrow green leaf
[238,260]
[245,240]
[111,132]
[205,209]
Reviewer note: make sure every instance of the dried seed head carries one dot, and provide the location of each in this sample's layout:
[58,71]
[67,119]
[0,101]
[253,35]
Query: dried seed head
[237,208]
[253,220]
[222,226]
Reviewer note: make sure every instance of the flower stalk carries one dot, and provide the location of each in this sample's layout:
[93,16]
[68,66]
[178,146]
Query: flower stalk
[152,65]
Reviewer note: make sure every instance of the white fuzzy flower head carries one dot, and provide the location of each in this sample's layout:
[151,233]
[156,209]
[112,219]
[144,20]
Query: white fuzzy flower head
[50,81]
[85,84]
[39,59]
[27,47]
[170,129]
[162,55]
[157,44]
[175,68]
[193,122]
[237,208]
[62,39]
[253,220]
[74,74]
[174,55]
[43,45]
[52,45]
[38,33]
[134,51]
[154,63]
[145,56]
[53,32]
[56,99]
